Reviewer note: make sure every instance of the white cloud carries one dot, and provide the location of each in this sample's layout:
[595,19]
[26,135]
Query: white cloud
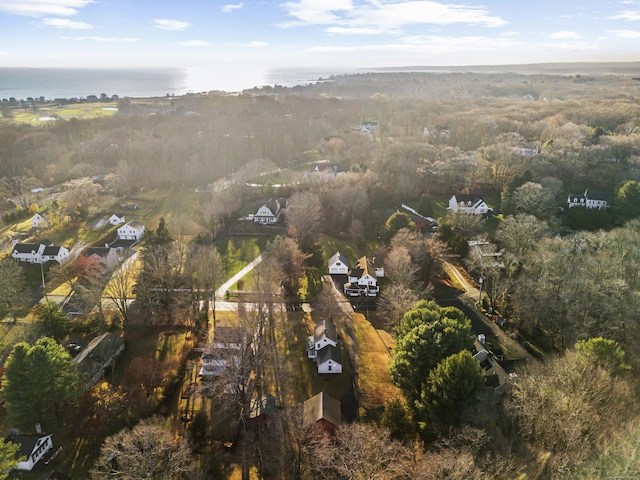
[254,44]
[566,34]
[173,25]
[39,8]
[232,7]
[195,43]
[392,15]
[627,15]
[65,23]
[625,33]
[102,39]
[510,34]
[431,44]
[363,30]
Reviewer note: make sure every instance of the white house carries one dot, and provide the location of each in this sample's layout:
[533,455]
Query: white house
[330,359]
[370,266]
[116,219]
[338,265]
[324,335]
[38,221]
[133,230]
[55,254]
[270,212]
[469,204]
[363,280]
[33,447]
[589,199]
[29,252]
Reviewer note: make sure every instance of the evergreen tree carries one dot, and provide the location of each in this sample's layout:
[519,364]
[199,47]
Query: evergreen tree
[427,336]
[40,383]
[51,320]
[449,385]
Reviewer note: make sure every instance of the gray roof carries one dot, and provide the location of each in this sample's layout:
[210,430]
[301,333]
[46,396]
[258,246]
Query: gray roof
[99,352]
[100,251]
[325,329]
[51,250]
[321,407]
[26,247]
[330,353]
[27,443]
[340,257]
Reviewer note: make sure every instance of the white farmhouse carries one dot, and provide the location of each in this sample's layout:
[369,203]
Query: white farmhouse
[270,212]
[132,230]
[38,221]
[338,265]
[469,204]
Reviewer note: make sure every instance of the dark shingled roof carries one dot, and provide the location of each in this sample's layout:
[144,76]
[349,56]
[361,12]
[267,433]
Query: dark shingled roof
[51,250]
[330,353]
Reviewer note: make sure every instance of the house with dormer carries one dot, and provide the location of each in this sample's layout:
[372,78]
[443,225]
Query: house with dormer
[363,280]
[116,219]
[41,252]
[324,334]
[338,264]
[468,204]
[270,211]
[32,449]
[29,252]
[53,253]
[325,348]
[589,199]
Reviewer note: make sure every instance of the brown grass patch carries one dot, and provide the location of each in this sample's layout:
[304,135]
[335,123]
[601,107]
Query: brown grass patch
[375,348]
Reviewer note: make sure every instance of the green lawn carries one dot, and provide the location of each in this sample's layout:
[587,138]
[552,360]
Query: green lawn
[77,110]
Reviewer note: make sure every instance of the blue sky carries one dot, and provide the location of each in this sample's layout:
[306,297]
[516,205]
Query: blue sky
[314,33]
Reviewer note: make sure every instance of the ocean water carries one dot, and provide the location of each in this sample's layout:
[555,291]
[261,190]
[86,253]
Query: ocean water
[51,83]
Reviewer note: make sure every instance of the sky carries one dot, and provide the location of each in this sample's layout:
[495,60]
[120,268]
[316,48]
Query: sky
[318,34]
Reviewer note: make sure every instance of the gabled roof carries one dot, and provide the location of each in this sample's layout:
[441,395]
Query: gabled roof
[473,199]
[26,247]
[330,353]
[100,251]
[325,329]
[338,257]
[133,224]
[321,407]
[27,443]
[356,272]
[97,353]
[598,195]
[51,250]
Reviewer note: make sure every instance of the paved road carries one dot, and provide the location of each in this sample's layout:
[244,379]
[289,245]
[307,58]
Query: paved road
[226,285]
[479,322]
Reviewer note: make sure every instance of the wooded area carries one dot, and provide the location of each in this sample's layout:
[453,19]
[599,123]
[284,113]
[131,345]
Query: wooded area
[353,156]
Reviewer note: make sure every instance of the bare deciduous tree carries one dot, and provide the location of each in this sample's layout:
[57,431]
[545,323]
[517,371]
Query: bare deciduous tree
[304,213]
[148,450]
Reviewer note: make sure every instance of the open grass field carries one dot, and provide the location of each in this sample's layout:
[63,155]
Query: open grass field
[375,347]
[45,113]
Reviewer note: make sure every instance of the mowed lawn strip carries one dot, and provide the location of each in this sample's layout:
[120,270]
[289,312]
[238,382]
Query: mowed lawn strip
[375,348]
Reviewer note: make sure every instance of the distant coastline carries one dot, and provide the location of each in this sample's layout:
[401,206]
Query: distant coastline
[52,83]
